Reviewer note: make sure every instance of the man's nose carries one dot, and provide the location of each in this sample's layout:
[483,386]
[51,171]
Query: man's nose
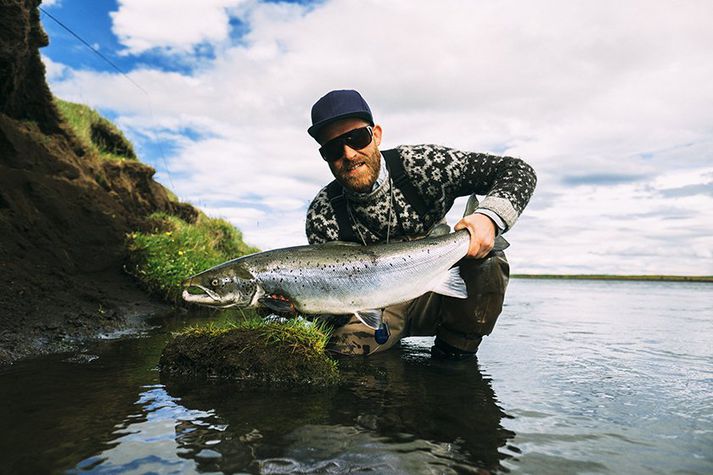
[349,152]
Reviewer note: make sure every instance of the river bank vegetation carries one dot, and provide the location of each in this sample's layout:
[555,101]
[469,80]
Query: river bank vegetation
[82,219]
[94,132]
[276,354]
[168,248]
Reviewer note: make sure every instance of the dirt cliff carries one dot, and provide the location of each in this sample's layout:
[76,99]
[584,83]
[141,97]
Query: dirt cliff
[64,212]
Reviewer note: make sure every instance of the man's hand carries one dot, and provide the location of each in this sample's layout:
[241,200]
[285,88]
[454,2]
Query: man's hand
[482,234]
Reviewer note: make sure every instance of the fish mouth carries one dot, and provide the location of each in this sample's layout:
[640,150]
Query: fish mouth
[196,293]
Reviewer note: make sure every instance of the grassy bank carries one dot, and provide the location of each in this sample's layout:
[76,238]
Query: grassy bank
[253,351]
[95,133]
[660,278]
[171,250]
[170,247]
[243,347]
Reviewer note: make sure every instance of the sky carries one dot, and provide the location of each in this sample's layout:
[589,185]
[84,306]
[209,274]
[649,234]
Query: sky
[610,101]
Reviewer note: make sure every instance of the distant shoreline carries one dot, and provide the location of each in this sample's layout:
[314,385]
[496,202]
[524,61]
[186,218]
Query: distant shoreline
[658,278]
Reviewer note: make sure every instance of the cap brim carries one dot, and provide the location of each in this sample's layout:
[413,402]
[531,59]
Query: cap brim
[314,130]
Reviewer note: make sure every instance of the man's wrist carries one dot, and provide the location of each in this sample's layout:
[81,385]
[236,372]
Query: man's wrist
[497,220]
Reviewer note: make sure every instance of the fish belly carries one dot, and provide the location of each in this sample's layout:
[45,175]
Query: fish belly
[357,283]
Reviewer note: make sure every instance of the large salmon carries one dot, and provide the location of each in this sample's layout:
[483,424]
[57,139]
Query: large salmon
[335,279]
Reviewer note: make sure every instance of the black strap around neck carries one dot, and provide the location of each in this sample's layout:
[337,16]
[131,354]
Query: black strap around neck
[399,179]
[402,182]
[335,193]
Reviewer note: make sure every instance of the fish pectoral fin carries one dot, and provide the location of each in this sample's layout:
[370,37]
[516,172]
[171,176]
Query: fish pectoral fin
[370,318]
[277,303]
[452,284]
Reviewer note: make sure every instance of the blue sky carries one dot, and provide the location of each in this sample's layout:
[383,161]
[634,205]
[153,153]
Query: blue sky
[611,102]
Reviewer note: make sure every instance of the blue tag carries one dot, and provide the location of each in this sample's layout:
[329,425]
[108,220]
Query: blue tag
[382,334]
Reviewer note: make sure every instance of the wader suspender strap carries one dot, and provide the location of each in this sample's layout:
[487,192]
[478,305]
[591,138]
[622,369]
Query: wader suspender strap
[399,179]
[335,193]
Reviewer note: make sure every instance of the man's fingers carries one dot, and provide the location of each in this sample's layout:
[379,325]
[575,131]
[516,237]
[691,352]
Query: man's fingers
[481,243]
[484,250]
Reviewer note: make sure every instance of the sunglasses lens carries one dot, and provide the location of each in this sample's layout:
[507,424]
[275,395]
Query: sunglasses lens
[332,150]
[359,138]
[356,139]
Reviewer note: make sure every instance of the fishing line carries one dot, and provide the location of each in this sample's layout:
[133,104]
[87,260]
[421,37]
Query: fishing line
[110,63]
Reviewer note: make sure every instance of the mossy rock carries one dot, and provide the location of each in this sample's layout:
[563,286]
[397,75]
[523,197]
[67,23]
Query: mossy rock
[257,353]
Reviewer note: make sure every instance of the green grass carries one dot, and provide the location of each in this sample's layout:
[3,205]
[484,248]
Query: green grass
[173,250]
[296,334]
[252,350]
[94,132]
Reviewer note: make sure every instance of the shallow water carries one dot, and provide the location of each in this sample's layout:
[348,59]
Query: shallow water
[578,377]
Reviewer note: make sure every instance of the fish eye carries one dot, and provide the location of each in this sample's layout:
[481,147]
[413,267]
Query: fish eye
[215,282]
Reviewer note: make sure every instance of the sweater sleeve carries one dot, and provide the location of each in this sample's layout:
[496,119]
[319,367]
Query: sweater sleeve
[506,182]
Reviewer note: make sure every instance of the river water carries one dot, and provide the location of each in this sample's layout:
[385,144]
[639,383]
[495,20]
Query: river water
[578,377]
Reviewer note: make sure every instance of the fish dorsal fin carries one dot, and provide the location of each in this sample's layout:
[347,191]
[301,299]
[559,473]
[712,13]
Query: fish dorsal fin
[370,318]
[451,284]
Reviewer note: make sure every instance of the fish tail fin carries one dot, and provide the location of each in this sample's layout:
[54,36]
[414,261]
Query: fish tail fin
[452,284]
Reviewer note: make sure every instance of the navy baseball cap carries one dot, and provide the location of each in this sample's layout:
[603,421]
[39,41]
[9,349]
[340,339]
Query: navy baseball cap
[336,105]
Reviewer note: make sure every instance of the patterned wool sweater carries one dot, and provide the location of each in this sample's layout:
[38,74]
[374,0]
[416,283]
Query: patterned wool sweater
[439,175]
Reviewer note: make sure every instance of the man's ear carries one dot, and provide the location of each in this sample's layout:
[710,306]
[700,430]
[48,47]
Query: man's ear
[377,134]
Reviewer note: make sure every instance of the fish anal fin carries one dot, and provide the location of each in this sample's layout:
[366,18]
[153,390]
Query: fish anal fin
[451,285]
[370,318]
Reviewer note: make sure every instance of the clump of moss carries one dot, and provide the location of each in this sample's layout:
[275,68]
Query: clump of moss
[170,250]
[94,132]
[254,351]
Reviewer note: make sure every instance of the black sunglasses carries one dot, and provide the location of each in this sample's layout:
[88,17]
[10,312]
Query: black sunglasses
[355,139]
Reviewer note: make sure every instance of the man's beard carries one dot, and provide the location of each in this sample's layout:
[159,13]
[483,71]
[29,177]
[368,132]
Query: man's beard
[363,182]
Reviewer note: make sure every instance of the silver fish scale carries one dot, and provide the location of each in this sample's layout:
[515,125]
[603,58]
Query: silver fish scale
[333,279]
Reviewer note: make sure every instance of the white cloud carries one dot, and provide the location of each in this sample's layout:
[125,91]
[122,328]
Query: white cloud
[172,25]
[610,102]
[54,71]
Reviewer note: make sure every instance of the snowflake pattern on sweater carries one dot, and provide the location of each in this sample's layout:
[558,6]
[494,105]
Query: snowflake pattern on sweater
[439,175]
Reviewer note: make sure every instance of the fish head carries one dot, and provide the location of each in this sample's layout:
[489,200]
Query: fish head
[225,285]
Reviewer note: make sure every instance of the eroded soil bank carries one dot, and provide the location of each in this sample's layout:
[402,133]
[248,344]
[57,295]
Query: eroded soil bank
[64,212]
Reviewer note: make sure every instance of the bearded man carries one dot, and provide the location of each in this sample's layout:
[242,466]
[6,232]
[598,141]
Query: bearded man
[404,193]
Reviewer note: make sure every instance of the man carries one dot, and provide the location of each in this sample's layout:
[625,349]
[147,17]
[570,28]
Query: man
[405,193]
